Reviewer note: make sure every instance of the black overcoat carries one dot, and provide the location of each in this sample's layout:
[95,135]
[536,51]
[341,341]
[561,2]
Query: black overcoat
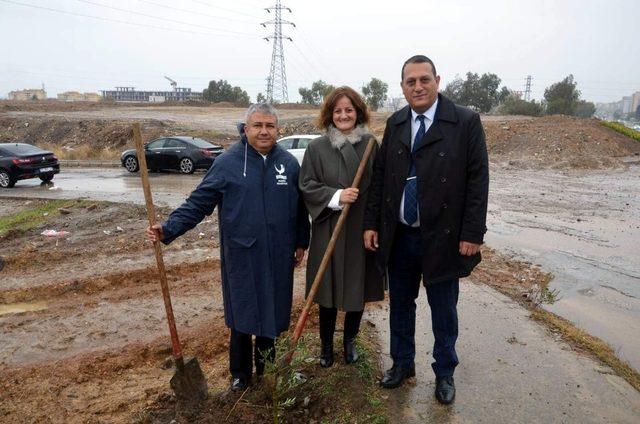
[453,183]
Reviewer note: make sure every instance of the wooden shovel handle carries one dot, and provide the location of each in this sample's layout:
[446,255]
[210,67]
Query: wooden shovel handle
[151,213]
[328,253]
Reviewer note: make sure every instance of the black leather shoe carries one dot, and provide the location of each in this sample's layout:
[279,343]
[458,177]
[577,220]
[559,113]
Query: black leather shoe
[395,376]
[445,390]
[326,354]
[350,352]
[239,384]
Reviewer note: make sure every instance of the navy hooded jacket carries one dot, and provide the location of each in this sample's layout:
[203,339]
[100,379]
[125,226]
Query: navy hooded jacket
[262,221]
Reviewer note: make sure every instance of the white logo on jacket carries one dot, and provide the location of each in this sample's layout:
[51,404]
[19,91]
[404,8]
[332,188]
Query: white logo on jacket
[280,179]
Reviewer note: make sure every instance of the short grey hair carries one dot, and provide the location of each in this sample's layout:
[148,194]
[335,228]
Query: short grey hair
[265,108]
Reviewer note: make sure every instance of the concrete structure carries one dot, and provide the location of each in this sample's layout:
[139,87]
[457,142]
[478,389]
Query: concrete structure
[392,104]
[635,102]
[28,94]
[75,96]
[626,104]
[130,94]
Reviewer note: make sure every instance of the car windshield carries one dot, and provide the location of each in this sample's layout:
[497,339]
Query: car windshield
[22,149]
[286,143]
[201,143]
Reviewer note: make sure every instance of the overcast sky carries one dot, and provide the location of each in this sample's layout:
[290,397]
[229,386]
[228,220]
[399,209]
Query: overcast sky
[341,42]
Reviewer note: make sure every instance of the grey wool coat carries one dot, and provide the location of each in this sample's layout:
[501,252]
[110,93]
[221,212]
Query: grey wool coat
[330,163]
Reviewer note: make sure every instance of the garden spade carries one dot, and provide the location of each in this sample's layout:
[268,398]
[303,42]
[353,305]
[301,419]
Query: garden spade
[327,256]
[188,382]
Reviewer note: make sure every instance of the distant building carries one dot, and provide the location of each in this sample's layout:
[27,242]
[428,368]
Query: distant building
[28,94]
[392,104]
[75,96]
[626,104]
[635,102]
[130,94]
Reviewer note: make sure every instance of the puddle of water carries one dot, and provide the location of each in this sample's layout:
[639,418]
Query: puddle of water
[18,308]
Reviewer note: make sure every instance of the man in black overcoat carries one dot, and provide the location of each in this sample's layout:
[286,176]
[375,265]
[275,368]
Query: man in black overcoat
[426,217]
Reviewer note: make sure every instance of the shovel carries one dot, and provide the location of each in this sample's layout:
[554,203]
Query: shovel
[327,257]
[188,382]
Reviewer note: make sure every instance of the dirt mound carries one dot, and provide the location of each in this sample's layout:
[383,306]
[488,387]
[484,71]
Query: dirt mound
[558,142]
[296,106]
[93,138]
[51,105]
[299,126]
[100,134]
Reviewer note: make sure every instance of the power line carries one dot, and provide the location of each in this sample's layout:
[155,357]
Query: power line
[315,50]
[177,9]
[101,18]
[224,8]
[313,67]
[133,12]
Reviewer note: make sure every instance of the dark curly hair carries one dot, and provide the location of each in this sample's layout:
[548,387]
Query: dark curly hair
[326,112]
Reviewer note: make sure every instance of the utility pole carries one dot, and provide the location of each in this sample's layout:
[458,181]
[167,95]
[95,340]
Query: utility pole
[527,88]
[277,81]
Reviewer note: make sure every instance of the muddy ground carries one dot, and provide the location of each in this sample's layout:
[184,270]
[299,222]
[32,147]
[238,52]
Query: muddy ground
[83,335]
[82,328]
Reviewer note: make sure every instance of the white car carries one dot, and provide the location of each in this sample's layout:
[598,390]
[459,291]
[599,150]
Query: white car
[297,144]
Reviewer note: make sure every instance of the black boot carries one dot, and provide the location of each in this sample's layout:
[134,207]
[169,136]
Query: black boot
[351,329]
[326,354]
[327,327]
[350,351]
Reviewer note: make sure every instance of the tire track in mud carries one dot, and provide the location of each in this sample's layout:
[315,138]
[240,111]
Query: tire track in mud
[105,312]
[98,284]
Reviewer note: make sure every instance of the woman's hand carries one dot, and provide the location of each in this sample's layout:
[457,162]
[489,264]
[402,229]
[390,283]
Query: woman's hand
[349,195]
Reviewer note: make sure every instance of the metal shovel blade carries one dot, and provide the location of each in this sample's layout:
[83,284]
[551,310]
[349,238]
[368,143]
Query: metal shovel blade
[188,382]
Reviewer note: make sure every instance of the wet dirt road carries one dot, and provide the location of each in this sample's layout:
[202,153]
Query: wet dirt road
[116,185]
[584,228]
[511,370]
[581,226]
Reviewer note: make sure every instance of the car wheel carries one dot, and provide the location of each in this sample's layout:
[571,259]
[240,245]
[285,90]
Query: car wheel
[5,179]
[46,178]
[131,164]
[186,166]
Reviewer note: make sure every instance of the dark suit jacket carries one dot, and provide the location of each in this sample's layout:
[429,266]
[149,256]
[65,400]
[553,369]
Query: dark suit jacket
[453,183]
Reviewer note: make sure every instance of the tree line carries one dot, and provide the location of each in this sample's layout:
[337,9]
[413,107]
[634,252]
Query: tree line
[480,92]
[374,93]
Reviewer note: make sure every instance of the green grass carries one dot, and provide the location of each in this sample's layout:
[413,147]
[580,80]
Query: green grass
[28,219]
[622,129]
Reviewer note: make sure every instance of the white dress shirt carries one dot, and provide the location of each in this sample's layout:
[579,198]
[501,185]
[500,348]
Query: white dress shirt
[429,114]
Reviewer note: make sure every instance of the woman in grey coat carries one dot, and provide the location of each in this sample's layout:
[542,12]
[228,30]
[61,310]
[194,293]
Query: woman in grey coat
[328,169]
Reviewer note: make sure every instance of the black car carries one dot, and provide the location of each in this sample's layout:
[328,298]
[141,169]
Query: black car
[185,154]
[19,161]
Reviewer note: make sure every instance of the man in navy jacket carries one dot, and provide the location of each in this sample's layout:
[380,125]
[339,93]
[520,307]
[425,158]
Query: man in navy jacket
[264,231]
